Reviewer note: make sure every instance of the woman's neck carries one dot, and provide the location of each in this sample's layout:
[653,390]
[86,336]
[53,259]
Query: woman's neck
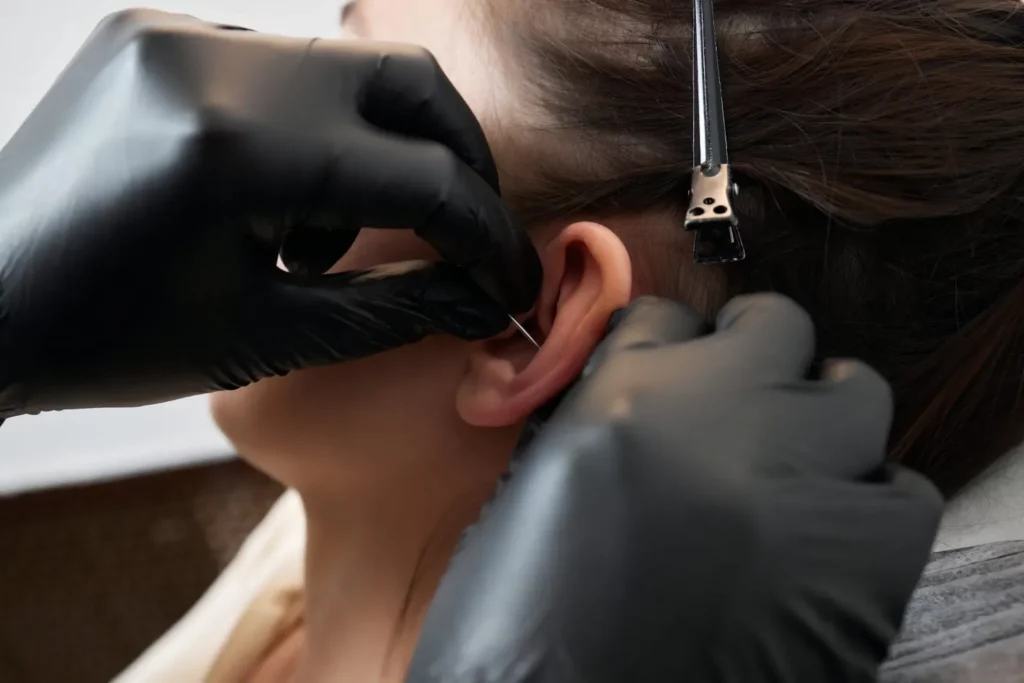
[372,567]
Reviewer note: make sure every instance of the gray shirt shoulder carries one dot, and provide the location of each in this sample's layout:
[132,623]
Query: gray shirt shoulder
[965,622]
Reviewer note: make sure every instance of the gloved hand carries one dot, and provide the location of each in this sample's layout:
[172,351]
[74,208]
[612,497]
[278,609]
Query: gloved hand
[697,511]
[144,203]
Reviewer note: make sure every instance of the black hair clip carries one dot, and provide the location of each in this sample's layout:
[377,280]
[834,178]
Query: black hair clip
[711,187]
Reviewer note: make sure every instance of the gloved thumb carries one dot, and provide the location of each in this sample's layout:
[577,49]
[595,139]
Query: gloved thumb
[767,335]
[648,322]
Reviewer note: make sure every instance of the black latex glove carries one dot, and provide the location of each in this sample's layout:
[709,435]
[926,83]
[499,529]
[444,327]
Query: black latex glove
[696,511]
[144,203]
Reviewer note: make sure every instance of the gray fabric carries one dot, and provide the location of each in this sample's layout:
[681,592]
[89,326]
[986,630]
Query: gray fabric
[965,623]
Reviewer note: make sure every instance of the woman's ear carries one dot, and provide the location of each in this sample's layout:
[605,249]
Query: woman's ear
[587,276]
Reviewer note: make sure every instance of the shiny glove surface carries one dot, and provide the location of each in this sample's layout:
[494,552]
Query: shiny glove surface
[146,200]
[696,510]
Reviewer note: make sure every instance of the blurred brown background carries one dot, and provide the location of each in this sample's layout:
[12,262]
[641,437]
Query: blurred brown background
[90,576]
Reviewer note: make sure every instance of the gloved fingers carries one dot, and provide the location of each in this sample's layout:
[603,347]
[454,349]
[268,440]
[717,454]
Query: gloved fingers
[847,537]
[647,322]
[128,23]
[902,511]
[854,392]
[118,29]
[915,490]
[376,179]
[767,335]
[409,94]
[385,181]
[350,315]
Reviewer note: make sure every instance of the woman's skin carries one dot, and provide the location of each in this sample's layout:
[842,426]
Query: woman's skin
[395,455]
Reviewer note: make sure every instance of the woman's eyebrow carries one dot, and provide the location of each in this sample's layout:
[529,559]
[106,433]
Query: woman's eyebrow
[351,18]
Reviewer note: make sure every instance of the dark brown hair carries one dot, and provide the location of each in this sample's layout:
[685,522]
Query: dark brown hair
[879,147]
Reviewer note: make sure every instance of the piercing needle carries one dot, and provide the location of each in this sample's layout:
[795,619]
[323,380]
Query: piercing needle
[523,331]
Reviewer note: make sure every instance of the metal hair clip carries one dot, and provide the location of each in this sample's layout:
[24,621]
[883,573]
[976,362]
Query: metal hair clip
[711,187]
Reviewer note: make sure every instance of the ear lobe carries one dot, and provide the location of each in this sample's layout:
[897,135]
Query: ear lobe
[587,276]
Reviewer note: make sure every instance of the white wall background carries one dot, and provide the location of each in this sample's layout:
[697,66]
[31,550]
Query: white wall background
[37,39]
